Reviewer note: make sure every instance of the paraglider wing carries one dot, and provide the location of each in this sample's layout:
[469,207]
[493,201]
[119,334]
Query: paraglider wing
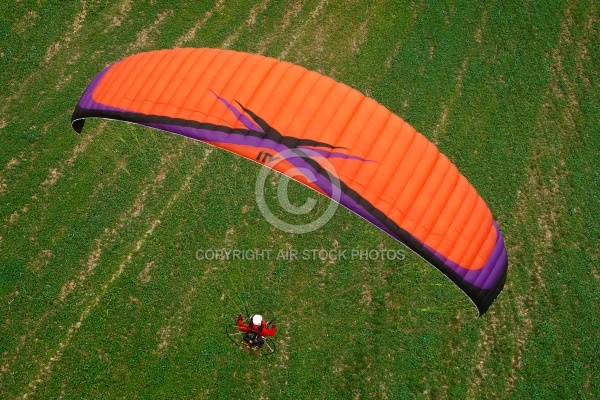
[259,107]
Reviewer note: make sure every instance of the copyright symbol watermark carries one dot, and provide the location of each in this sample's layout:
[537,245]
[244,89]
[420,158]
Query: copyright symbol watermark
[310,165]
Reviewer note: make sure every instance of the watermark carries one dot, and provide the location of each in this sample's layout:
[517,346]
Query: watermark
[301,159]
[292,254]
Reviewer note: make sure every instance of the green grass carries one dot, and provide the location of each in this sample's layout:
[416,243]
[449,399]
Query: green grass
[102,296]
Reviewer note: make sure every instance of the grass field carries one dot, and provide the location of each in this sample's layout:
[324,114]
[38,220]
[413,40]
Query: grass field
[100,290]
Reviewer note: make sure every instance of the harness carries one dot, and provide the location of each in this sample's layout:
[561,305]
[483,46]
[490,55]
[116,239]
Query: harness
[253,334]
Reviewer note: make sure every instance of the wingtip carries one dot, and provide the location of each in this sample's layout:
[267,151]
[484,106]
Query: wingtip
[77,125]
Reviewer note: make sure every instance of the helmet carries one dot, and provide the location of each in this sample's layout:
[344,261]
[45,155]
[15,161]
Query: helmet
[257,319]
